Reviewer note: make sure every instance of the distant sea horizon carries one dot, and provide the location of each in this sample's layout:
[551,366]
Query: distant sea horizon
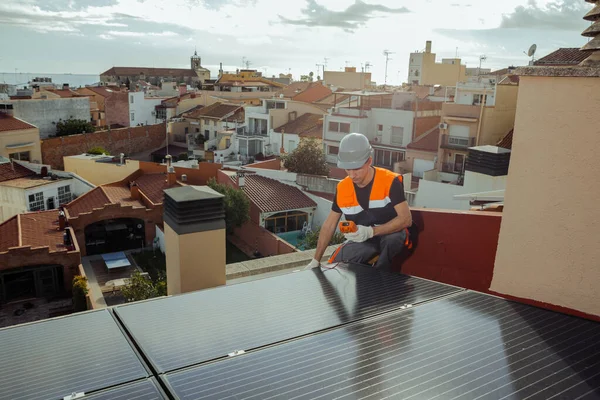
[74,80]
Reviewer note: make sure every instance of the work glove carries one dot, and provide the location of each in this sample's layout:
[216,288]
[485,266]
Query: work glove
[363,233]
[313,264]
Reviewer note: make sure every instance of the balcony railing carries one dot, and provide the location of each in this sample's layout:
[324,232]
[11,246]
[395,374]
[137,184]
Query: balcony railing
[457,142]
[254,132]
[453,168]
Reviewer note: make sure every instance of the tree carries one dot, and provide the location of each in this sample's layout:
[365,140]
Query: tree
[142,288]
[237,206]
[80,290]
[73,127]
[307,158]
[309,241]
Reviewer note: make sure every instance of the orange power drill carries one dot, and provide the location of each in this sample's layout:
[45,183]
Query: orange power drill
[348,227]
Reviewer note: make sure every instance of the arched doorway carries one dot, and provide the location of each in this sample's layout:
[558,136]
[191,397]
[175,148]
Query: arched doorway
[112,235]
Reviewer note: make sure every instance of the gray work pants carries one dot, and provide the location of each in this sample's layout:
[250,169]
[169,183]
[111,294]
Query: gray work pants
[387,246]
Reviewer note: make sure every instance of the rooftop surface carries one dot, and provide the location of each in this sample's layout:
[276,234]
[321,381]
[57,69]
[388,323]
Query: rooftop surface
[35,229]
[217,110]
[352,332]
[10,123]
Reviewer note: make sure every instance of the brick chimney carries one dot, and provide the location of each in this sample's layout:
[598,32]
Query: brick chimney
[241,175]
[135,190]
[182,89]
[65,86]
[62,220]
[194,218]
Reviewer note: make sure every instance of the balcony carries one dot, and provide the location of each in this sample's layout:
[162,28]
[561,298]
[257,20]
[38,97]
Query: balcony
[468,113]
[457,142]
[244,131]
[453,168]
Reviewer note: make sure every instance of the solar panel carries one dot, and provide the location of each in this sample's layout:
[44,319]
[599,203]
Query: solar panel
[54,358]
[468,346]
[144,390]
[193,328]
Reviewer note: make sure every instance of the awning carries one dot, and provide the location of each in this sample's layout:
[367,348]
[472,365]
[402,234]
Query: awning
[19,145]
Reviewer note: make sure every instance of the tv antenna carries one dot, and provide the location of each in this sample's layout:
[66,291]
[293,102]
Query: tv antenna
[367,66]
[386,53]
[482,58]
[531,53]
[325,64]
[319,66]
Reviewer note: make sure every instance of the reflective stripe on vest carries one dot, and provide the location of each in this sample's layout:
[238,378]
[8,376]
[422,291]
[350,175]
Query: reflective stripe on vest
[353,210]
[379,203]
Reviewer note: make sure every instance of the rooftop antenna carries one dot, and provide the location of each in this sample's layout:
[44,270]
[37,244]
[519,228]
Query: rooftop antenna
[386,53]
[531,53]
[325,59]
[347,62]
[367,66]
[482,58]
[319,66]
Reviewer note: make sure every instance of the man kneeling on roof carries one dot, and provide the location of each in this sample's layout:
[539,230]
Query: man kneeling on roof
[373,199]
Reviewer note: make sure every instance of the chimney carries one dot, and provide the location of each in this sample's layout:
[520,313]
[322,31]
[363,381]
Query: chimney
[65,86]
[182,89]
[44,172]
[135,190]
[62,220]
[121,159]
[194,218]
[184,178]
[428,46]
[241,175]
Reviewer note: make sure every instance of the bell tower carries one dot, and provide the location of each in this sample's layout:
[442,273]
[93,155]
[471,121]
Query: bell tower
[195,61]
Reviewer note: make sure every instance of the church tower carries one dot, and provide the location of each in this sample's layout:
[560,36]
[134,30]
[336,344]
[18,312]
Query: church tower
[195,61]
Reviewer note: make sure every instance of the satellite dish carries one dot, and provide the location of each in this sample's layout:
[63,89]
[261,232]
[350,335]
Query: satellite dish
[532,50]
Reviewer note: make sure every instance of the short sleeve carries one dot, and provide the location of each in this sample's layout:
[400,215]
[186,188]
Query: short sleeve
[334,206]
[397,192]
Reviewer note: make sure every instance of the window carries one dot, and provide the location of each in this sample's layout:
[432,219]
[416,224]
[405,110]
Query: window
[478,99]
[215,122]
[186,130]
[286,222]
[227,143]
[133,116]
[206,134]
[131,99]
[291,145]
[333,150]
[197,129]
[22,156]
[387,158]
[64,195]
[342,127]
[36,202]
[379,129]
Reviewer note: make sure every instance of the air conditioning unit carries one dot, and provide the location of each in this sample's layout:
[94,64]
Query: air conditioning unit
[443,125]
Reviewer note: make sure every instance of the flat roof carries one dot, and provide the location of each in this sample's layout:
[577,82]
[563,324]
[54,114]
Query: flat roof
[31,182]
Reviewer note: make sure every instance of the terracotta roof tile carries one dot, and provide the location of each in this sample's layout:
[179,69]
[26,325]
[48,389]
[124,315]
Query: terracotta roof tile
[95,198]
[563,56]
[315,92]
[314,132]
[217,110]
[9,233]
[10,171]
[121,195]
[429,142]
[39,229]
[294,89]
[301,124]
[506,141]
[10,123]
[270,195]
[65,93]
[164,72]
[153,186]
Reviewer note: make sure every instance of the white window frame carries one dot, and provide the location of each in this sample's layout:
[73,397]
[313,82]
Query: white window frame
[38,202]
[132,116]
[64,195]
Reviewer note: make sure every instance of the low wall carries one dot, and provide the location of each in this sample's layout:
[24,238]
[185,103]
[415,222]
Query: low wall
[262,240]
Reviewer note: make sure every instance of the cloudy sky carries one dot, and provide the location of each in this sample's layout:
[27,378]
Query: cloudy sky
[90,36]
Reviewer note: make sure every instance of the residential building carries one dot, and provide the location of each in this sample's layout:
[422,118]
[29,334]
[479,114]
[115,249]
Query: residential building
[19,140]
[424,70]
[142,109]
[422,153]
[46,113]
[306,92]
[285,79]
[390,121]
[348,79]
[100,169]
[258,135]
[110,105]
[55,93]
[192,76]
[31,187]
[482,113]
[245,80]
[293,132]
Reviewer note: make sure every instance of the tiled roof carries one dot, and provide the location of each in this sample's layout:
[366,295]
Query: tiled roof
[314,93]
[95,198]
[10,123]
[294,89]
[65,93]
[509,80]
[314,132]
[270,195]
[301,124]
[9,233]
[153,185]
[10,171]
[563,56]
[35,229]
[135,71]
[217,110]
[122,195]
[506,141]
[429,142]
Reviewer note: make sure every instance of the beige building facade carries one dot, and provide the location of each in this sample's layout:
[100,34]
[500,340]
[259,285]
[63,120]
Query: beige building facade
[347,79]
[19,140]
[424,70]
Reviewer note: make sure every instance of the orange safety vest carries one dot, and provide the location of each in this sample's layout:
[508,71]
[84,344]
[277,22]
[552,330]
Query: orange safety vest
[380,209]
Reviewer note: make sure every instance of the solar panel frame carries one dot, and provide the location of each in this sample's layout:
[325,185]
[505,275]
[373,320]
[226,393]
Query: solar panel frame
[465,346]
[172,332]
[148,389]
[53,358]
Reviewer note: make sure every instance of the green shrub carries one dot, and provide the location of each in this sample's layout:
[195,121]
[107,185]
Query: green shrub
[80,290]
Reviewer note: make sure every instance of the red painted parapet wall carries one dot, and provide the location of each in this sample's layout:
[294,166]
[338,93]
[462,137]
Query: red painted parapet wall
[459,248]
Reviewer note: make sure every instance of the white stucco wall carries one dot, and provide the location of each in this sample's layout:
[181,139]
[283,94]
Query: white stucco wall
[45,113]
[389,118]
[161,238]
[12,202]
[322,211]
[142,109]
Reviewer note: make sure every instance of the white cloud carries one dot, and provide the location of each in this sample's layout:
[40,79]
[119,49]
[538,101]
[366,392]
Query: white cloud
[141,34]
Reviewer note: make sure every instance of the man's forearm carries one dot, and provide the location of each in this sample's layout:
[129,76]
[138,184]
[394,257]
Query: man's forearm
[395,225]
[324,240]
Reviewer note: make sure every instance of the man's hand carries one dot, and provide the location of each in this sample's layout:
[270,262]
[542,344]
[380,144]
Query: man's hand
[313,264]
[363,233]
